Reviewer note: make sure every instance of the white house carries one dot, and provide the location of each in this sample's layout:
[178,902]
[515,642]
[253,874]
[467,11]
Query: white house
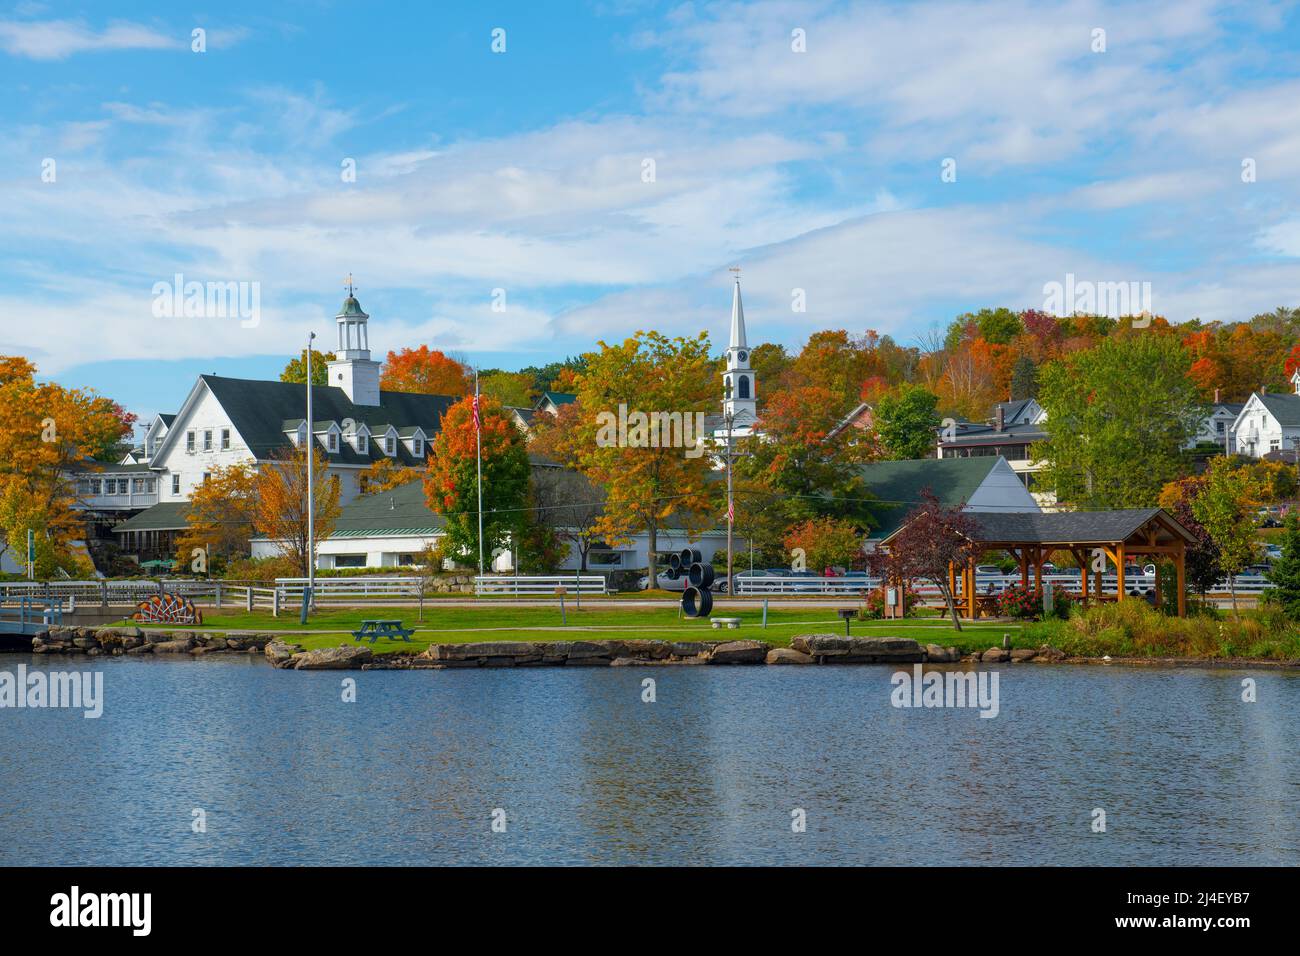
[228,421]
[1268,422]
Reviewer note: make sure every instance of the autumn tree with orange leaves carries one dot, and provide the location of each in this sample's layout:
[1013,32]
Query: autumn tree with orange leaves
[451,482]
[280,490]
[426,371]
[219,523]
[46,430]
[795,473]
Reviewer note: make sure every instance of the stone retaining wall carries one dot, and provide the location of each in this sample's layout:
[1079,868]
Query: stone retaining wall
[804,649]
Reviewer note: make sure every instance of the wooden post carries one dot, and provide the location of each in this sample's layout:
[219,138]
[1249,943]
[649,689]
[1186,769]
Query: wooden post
[275,602]
[1024,567]
[1157,583]
[1119,572]
[970,575]
[1180,563]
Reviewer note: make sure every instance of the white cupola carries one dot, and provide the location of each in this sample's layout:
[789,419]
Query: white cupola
[352,369]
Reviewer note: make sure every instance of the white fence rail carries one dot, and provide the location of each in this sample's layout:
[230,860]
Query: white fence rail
[1246,584]
[535,584]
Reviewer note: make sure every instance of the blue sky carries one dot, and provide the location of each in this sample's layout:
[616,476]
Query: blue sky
[524,171]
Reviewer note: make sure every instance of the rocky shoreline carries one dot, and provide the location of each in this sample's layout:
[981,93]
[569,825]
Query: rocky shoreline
[805,649]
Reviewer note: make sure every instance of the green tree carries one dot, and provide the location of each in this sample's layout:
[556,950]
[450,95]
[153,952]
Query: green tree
[1285,572]
[296,370]
[905,422]
[1118,419]
[997,326]
[1024,379]
[1226,508]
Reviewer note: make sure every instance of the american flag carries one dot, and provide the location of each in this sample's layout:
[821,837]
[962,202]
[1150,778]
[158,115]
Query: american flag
[477,425]
[731,510]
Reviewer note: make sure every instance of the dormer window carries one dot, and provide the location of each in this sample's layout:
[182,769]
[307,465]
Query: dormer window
[390,445]
[363,444]
[301,440]
[332,442]
[417,446]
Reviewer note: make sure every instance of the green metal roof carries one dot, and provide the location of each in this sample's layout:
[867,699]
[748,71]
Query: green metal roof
[402,510]
[352,307]
[165,516]
[898,485]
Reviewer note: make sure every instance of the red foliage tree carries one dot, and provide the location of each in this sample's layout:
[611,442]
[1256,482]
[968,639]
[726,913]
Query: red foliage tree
[932,538]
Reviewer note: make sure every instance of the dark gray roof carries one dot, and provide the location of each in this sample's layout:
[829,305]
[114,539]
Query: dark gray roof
[260,411]
[167,419]
[989,435]
[96,467]
[1075,527]
[1284,407]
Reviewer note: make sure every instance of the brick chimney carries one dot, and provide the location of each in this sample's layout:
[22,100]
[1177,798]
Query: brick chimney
[1216,396]
[1263,390]
[1001,419]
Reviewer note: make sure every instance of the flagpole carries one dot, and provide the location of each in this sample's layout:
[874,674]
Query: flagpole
[311,490]
[478,455]
[731,510]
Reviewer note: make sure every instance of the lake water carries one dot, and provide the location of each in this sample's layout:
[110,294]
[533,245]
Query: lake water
[287,773]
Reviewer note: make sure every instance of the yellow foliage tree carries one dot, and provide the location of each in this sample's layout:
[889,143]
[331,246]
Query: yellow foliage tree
[281,512]
[220,521]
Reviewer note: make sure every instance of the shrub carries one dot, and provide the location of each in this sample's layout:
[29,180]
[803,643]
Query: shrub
[1020,602]
[874,605]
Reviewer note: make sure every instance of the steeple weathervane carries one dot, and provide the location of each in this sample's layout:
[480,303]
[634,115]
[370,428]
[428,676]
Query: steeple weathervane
[349,285]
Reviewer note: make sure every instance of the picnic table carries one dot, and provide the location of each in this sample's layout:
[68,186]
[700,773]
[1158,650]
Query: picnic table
[377,629]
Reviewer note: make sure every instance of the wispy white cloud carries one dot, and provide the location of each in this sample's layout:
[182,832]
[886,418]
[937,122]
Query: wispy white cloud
[59,39]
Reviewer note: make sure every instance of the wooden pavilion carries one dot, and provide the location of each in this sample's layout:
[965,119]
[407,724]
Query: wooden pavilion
[1033,537]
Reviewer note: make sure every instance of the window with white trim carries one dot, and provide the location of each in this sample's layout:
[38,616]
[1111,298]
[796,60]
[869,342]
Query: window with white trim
[363,444]
[417,446]
[189,441]
[225,439]
[207,440]
[176,484]
[332,441]
[390,445]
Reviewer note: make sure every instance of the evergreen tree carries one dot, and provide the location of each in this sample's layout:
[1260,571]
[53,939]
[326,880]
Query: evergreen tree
[1024,379]
[1285,573]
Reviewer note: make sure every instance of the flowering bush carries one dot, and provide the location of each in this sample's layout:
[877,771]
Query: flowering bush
[1019,601]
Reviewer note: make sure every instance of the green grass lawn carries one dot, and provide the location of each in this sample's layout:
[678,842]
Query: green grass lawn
[451,625]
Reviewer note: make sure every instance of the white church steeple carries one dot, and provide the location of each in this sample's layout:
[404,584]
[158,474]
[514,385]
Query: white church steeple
[352,369]
[738,401]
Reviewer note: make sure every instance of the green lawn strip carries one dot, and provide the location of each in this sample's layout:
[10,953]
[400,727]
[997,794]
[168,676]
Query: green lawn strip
[460,625]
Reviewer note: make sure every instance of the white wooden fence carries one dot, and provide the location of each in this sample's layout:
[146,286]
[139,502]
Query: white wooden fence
[539,584]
